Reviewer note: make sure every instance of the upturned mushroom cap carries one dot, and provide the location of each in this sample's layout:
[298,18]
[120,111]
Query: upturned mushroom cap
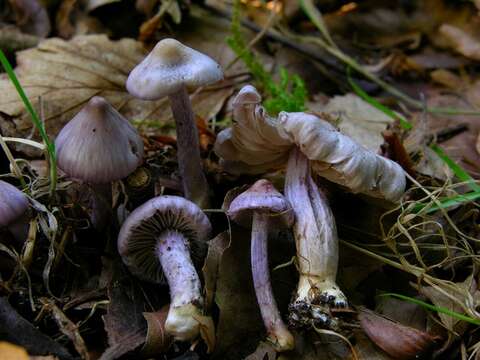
[257,143]
[264,198]
[168,67]
[98,145]
[13,203]
[139,233]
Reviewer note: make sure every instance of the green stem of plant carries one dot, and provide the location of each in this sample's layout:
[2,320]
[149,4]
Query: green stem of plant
[50,146]
[438,309]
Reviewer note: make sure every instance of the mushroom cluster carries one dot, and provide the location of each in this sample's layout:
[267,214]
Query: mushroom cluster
[161,240]
[305,143]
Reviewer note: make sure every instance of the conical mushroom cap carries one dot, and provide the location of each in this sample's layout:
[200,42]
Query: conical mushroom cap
[13,203]
[168,67]
[261,197]
[138,236]
[98,145]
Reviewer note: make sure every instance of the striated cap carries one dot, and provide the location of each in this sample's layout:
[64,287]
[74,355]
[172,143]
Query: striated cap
[138,236]
[98,145]
[264,198]
[170,66]
[256,143]
[13,203]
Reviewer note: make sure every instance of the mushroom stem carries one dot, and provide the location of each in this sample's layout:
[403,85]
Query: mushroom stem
[277,331]
[194,182]
[101,205]
[315,237]
[185,290]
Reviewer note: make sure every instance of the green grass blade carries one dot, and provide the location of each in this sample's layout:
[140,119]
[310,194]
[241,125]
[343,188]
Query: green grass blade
[448,202]
[457,169]
[437,309]
[404,123]
[50,146]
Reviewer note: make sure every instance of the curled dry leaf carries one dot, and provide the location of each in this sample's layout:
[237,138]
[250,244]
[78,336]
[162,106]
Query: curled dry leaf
[399,341]
[66,74]
[157,340]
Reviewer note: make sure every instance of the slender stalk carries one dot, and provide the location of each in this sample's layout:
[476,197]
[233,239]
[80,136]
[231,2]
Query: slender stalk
[195,184]
[185,291]
[315,237]
[277,331]
[101,205]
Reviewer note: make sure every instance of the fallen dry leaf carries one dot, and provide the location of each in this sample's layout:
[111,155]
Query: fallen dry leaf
[397,340]
[12,352]
[462,41]
[240,327]
[66,74]
[356,118]
[157,340]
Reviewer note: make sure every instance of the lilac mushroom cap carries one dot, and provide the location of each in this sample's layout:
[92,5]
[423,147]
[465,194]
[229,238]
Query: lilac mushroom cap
[138,236]
[262,197]
[170,66]
[264,209]
[155,242]
[13,204]
[98,145]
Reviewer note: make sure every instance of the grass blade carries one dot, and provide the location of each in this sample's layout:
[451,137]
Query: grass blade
[50,146]
[437,309]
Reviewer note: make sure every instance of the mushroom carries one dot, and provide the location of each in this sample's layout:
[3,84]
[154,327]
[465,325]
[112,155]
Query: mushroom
[264,209]
[13,211]
[99,146]
[257,143]
[156,241]
[172,69]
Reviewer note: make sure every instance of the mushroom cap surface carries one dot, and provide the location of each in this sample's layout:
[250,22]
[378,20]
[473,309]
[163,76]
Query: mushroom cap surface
[98,145]
[261,197]
[13,203]
[256,143]
[139,233]
[170,66]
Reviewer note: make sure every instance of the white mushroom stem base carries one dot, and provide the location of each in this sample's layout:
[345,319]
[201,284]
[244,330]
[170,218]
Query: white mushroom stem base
[277,332]
[185,289]
[195,185]
[317,246]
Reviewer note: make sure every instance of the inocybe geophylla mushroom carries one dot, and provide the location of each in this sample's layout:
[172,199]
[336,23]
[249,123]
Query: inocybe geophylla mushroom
[156,241]
[172,69]
[256,143]
[13,211]
[265,210]
[99,146]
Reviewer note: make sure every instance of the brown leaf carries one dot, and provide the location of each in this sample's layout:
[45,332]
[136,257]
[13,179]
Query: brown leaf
[12,352]
[399,341]
[66,74]
[124,323]
[264,351]
[157,340]
[210,269]
[462,41]
[240,325]
[356,118]
[451,298]
[477,145]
